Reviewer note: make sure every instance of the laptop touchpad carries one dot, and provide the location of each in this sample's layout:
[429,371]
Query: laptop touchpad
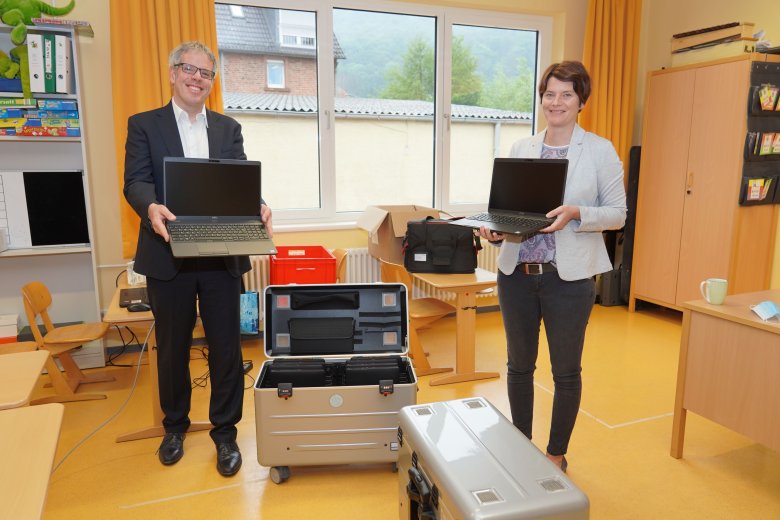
[213,248]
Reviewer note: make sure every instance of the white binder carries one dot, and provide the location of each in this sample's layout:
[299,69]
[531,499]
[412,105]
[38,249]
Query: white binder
[35,62]
[62,67]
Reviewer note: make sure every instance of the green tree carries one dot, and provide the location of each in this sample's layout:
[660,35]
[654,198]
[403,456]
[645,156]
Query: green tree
[514,93]
[466,83]
[415,77]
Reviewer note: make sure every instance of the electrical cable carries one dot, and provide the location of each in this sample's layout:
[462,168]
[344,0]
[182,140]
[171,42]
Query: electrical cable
[116,280]
[122,407]
[125,344]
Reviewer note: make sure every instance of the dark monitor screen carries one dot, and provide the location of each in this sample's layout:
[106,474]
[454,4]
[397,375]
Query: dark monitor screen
[212,187]
[56,209]
[527,185]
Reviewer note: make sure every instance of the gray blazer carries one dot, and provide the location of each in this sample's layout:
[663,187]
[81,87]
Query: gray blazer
[595,184]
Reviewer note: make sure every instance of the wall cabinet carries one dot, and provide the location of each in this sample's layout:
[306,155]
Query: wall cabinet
[689,225]
[67,270]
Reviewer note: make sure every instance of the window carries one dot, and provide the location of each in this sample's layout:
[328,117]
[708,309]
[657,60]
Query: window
[296,27]
[383,102]
[275,74]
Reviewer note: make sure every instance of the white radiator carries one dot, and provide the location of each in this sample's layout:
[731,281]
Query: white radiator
[363,268]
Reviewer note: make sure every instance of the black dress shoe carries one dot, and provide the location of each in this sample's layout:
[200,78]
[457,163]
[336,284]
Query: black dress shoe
[228,458]
[171,448]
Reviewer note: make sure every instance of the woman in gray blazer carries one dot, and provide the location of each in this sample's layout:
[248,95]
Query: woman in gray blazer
[550,276]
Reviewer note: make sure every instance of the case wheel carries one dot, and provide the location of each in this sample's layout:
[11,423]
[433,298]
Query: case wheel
[279,474]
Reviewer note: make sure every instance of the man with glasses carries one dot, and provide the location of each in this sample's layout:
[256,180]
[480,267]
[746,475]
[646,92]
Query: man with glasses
[186,128]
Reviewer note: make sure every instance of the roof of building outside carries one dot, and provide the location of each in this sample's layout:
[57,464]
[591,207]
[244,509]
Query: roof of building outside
[256,33]
[242,102]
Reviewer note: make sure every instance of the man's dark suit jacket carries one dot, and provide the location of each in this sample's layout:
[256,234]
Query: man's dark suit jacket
[151,136]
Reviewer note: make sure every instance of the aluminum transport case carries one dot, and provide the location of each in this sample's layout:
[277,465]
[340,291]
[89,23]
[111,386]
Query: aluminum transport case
[337,378]
[464,460]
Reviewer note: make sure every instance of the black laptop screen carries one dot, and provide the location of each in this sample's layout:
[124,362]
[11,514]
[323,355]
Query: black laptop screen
[212,187]
[527,185]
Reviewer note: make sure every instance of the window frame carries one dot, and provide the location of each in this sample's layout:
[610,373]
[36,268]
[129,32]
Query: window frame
[268,63]
[326,216]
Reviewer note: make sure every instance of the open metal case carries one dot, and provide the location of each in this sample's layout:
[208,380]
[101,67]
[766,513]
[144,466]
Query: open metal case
[337,377]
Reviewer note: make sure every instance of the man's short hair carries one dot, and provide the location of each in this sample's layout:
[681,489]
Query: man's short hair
[175,55]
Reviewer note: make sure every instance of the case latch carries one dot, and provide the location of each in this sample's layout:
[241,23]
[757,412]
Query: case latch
[386,386]
[284,390]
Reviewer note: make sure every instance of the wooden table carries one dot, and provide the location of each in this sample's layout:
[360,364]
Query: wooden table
[466,287]
[18,375]
[116,315]
[729,370]
[24,479]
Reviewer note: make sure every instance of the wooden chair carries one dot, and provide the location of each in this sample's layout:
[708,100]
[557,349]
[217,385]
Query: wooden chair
[60,341]
[341,264]
[422,312]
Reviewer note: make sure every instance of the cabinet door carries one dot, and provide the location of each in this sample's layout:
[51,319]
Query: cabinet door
[717,136]
[662,185]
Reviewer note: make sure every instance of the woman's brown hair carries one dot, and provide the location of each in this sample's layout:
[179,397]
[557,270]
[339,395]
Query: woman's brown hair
[573,71]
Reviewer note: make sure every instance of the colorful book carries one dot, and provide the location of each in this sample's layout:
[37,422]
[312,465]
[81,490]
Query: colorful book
[7,131]
[57,104]
[48,131]
[35,62]
[766,143]
[12,112]
[65,123]
[18,102]
[43,114]
[12,122]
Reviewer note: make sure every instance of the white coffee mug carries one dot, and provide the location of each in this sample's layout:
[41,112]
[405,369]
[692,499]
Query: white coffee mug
[714,290]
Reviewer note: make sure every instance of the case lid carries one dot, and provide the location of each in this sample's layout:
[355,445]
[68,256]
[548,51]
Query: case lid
[488,468]
[335,320]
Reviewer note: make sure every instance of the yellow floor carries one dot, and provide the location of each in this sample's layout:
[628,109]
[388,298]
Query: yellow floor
[619,454]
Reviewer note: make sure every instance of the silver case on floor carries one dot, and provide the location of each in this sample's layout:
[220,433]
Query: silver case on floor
[479,466]
[331,424]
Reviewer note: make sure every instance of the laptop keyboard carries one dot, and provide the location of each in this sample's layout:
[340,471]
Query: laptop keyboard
[504,219]
[216,232]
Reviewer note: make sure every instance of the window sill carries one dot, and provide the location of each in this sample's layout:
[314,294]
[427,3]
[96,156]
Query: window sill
[292,227]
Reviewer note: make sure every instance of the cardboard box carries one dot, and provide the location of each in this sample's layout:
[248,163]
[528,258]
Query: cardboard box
[386,226]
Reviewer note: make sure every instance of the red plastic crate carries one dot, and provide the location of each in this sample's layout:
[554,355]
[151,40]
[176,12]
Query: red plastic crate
[302,264]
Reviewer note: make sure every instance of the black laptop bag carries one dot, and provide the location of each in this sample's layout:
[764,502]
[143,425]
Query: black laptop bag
[433,245]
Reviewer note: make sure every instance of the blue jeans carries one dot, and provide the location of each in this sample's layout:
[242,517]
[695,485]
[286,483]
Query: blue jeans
[565,307]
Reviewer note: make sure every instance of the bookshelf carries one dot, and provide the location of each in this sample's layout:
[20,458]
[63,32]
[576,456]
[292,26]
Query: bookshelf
[69,271]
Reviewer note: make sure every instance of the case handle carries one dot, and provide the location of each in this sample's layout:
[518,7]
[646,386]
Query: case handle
[327,301]
[419,493]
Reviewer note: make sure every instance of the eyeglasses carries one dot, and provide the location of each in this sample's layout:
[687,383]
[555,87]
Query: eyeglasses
[190,70]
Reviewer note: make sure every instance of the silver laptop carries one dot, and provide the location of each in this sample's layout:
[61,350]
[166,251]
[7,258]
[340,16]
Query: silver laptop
[217,207]
[522,192]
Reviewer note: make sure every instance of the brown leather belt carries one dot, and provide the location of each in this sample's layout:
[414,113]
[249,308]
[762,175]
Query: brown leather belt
[537,268]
